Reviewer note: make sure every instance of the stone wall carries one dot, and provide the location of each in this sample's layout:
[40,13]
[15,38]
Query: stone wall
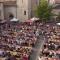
[1,11]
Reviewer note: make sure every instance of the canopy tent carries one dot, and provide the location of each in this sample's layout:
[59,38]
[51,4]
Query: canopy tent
[14,20]
[58,24]
[34,19]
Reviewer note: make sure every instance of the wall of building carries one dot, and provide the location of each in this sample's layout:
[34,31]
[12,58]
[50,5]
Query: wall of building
[22,9]
[1,11]
[7,7]
[28,6]
[9,10]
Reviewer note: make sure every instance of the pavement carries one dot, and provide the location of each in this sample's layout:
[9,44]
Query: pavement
[39,44]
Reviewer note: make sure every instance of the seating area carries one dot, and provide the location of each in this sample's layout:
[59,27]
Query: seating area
[51,48]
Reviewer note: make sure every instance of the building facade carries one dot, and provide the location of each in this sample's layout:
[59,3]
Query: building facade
[22,9]
[7,7]
[25,9]
[1,11]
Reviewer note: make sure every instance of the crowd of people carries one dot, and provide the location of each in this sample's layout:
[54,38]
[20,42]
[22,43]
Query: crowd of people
[51,48]
[18,39]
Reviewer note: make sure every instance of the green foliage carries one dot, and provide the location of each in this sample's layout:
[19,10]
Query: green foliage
[44,10]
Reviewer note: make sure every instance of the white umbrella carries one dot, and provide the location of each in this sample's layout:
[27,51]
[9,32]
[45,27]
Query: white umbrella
[34,19]
[58,23]
[14,20]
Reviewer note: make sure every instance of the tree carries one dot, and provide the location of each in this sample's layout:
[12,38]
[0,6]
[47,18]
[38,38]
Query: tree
[44,10]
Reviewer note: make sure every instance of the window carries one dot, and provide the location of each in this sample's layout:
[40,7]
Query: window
[24,12]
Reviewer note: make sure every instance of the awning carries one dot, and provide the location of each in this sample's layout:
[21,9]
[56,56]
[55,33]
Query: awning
[34,19]
[14,20]
[58,23]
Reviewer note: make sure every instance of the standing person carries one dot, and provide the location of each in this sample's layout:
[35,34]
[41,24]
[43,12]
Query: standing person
[25,56]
